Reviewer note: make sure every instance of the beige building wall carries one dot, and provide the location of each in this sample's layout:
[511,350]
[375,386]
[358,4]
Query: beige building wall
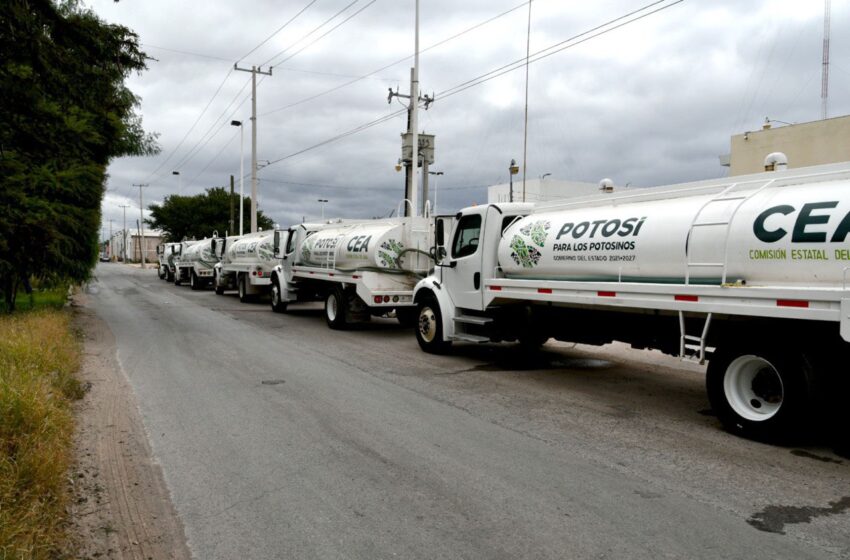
[806,144]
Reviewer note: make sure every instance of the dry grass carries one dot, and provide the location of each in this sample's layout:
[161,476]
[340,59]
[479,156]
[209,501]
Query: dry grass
[39,357]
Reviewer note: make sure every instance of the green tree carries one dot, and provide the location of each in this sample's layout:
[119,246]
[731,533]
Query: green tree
[65,113]
[198,216]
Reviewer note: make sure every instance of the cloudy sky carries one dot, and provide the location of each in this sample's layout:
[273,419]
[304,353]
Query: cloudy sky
[652,102]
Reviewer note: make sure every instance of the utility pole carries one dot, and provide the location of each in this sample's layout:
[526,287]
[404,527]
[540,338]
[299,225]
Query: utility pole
[111,247]
[141,222]
[231,205]
[411,177]
[525,128]
[254,71]
[124,241]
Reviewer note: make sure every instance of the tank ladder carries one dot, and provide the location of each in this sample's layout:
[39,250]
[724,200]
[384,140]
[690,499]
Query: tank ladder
[727,195]
[693,348]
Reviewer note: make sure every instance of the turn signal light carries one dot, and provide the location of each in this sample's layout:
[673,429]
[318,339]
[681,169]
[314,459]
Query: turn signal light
[377,299]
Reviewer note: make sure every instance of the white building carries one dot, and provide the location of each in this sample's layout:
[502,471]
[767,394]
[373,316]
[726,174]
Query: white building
[152,239]
[537,190]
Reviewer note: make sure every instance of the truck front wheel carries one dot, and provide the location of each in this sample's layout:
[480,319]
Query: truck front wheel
[278,305]
[335,309]
[429,327]
[763,392]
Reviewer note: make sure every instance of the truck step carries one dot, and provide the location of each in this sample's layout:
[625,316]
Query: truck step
[463,337]
[473,320]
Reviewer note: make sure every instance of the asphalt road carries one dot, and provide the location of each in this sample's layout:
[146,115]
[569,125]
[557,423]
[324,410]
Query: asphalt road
[280,438]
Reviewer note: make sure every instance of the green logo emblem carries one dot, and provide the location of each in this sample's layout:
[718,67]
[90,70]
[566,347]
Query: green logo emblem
[524,252]
[390,253]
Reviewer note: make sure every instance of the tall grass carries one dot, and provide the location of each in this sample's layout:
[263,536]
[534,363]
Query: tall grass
[39,357]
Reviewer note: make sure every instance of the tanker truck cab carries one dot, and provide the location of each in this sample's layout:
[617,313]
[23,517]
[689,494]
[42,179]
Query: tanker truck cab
[750,274]
[450,301]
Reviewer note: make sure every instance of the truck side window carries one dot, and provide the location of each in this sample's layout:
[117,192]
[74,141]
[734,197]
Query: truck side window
[290,242]
[466,236]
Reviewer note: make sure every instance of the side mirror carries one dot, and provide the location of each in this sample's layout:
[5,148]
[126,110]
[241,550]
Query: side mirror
[276,244]
[213,247]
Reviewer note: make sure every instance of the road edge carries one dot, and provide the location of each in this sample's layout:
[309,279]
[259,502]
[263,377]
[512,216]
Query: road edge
[121,506]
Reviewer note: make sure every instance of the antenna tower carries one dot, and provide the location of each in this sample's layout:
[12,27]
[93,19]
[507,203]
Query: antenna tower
[824,85]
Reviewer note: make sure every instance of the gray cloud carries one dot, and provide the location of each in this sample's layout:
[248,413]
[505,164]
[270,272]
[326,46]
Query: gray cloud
[652,103]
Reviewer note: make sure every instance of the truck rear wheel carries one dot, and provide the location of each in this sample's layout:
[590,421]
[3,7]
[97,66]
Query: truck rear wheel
[243,289]
[429,327]
[219,289]
[760,391]
[278,305]
[335,309]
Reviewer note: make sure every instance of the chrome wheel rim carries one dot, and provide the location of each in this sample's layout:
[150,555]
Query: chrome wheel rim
[753,388]
[332,308]
[427,324]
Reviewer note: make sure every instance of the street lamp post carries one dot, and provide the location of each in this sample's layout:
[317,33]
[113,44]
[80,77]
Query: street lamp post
[322,201]
[512,170]
[544,176]
[241,171]
[179,182]
[435,174]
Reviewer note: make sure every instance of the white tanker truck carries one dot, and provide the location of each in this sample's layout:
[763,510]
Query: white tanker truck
[165,254]
[358,268]
[750,273]
[246,264]
[195,263]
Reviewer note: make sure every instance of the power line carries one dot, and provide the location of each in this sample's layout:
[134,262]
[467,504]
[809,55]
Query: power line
[191,128]
[328,32]
[592,33]
[399,61]
[189,53]
[279,29]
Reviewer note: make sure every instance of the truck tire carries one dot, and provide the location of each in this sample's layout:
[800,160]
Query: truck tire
[243,289]
[336,309]
[407,316]
[762,391]
[194,282]
[429,326]
[219,289]
[278,305]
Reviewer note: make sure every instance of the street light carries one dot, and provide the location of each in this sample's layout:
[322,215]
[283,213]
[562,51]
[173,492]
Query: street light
[513,170]
[322,201]
[179,182]
[435,173]
[544,176]
[241,170]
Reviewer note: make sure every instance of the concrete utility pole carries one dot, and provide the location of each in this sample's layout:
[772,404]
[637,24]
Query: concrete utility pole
[111,248]
[124,231]
[141,222]
[254,71]
[230,231]
[411,178]
[824,86]
[525,128]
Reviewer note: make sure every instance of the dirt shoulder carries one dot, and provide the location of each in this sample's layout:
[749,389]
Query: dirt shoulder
[121,506]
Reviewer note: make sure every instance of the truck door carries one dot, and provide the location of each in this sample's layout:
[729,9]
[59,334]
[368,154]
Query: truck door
[462,270]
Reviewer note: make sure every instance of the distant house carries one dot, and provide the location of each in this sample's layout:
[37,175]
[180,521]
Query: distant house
[153,238]
[804,144]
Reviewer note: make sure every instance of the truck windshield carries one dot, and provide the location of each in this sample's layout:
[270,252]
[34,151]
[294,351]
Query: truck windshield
[466,236]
